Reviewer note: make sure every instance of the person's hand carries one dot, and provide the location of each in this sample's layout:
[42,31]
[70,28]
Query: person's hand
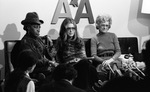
[35,80]
[54,63]
[107,62]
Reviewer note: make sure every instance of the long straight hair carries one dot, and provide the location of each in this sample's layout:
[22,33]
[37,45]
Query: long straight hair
[63,41]
[63,31]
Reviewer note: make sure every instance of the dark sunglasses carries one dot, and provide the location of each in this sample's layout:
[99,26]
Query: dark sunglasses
[69,28]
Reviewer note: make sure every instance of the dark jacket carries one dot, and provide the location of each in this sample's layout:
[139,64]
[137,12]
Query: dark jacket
[69,50]
[60,86]
[36,45]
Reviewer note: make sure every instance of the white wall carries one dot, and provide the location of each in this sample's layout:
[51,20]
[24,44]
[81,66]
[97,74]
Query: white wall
[128,21]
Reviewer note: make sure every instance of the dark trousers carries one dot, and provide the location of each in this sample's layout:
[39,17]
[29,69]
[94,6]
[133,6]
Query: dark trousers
[87,75]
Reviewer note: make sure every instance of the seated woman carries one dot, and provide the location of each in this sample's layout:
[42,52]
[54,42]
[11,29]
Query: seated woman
[105,48]
[70,50]
[70,47]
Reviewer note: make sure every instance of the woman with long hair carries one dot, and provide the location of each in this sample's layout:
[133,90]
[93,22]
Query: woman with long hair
[70,47]
[71,50]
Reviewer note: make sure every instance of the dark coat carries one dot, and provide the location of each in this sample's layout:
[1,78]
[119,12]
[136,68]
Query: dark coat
[60,86]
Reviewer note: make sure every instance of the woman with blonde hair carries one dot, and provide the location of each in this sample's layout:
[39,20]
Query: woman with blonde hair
[105,48]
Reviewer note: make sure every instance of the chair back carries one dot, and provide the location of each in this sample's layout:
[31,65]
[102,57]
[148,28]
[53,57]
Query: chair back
[8,46]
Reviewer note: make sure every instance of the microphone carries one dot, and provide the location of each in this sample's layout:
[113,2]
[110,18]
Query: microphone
[133,65]
[139,70]
[117,70]
[111,69]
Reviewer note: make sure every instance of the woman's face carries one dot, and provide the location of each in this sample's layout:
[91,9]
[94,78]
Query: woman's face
[70,29]
[104,27]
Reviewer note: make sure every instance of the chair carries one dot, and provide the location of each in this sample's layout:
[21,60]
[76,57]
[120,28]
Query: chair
[129,45]
[8,46]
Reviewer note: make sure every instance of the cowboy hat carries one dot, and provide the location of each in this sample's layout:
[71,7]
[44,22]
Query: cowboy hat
[32,18]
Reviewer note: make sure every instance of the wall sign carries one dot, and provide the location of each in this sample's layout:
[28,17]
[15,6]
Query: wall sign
[67,12]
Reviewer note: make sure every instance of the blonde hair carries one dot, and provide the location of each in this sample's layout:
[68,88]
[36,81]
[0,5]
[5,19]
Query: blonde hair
[103,18]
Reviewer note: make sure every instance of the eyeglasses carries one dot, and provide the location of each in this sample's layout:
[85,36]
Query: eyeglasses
[69,28]
[104,25]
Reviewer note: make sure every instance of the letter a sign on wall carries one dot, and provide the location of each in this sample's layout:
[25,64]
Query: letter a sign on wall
[67,13]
